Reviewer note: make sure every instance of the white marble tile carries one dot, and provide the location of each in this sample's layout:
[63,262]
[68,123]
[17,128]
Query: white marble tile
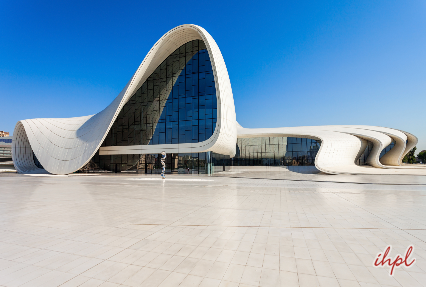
[111,230]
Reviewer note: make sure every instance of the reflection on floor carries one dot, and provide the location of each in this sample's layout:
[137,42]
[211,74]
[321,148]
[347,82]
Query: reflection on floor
[117,230]
[350,178]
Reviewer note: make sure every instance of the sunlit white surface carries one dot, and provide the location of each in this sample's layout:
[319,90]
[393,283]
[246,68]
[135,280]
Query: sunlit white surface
[65,145]
[172,179]
[114,231]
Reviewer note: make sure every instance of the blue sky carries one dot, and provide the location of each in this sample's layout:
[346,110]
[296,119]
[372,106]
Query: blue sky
[291,63]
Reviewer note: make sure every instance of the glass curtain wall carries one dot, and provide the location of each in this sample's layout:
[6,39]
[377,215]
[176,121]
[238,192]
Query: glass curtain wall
[363,158]
[37,162]
[388,148]
[176,104]
[182,163]
[273,151]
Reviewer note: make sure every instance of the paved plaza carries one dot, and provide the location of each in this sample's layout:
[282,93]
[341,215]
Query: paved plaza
[236,229]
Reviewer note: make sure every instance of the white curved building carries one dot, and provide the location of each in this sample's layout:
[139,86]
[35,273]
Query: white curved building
[180,101]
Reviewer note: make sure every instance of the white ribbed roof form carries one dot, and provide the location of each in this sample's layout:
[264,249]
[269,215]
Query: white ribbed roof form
[63,146]
[341,147]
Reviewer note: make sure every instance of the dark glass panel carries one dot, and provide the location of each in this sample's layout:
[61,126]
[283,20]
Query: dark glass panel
[171,107]
[275,151]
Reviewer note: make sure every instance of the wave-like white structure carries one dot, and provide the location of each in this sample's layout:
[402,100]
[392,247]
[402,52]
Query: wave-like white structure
[341,147]
[63,146]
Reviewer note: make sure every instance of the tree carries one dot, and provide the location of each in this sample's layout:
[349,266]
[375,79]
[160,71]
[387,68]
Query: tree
[409,157]
[422,156]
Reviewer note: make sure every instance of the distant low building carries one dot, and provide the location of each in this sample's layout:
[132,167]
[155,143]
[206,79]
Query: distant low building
[6,163]
[5,148]
[3,134]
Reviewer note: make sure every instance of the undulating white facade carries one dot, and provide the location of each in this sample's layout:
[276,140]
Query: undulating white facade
[341,146]
[63,146]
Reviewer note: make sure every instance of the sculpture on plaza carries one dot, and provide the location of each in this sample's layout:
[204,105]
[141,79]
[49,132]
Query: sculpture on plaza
[163,163]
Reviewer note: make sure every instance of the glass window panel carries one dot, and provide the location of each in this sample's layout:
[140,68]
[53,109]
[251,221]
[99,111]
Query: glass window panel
[176,104]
